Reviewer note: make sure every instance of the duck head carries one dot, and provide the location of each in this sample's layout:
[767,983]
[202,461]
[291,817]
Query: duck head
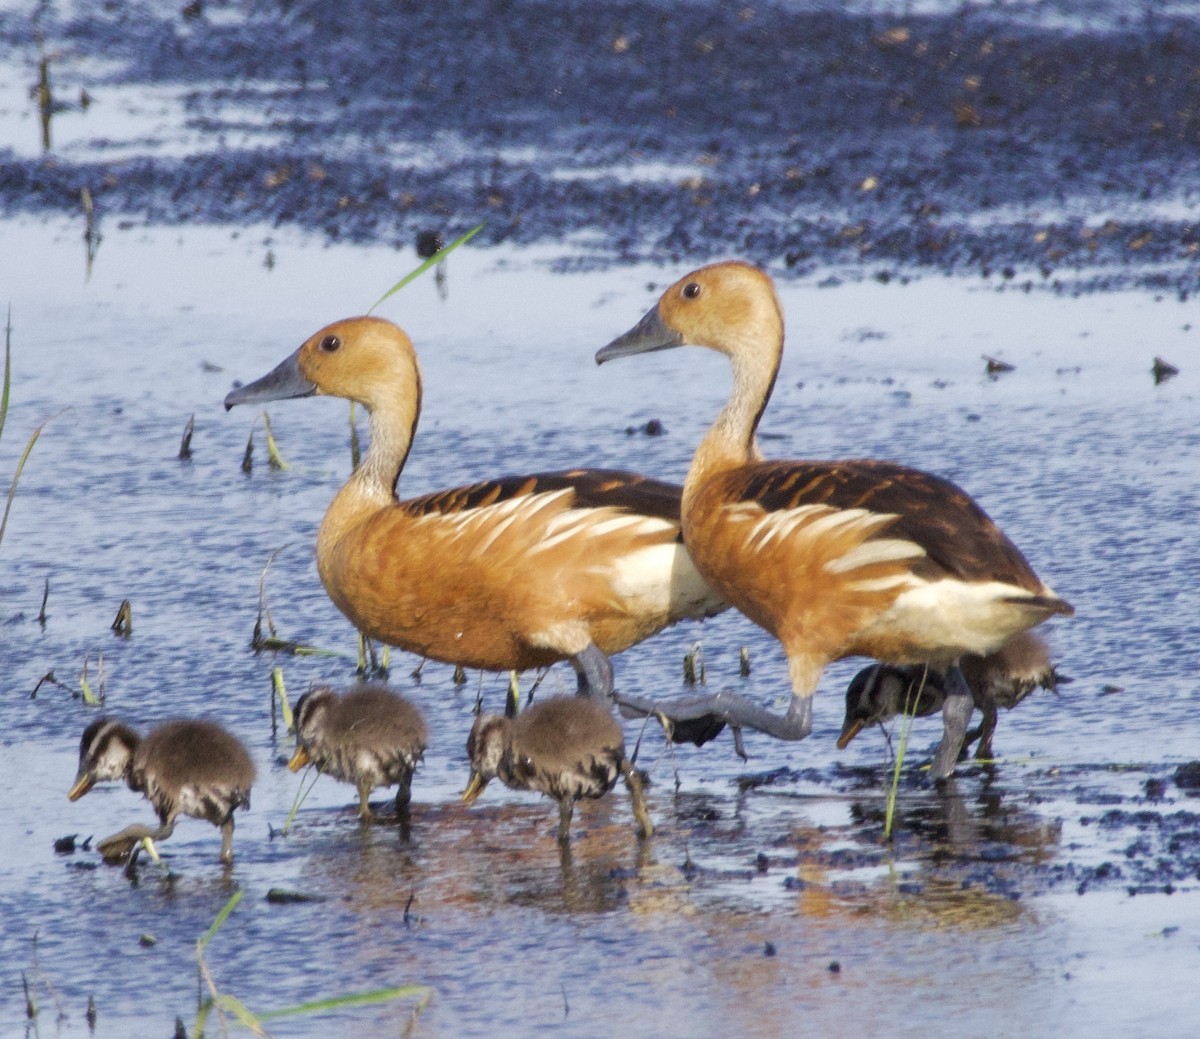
[308,718]
[728,307]
[105,752]
[486,746]
[364,359]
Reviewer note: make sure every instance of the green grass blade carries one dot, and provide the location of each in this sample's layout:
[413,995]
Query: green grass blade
[436,258]
[233,1005]
[7,369]
[12,487]
[911,700]
[382,995]
[222,916]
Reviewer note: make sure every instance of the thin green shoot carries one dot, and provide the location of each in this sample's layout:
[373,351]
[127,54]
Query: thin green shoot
[357,999]
[281,691]
[7,369]
[302,793]
[215,926]
[433,261]
[911,699]
[274,458]
[224,1003]
[85,687]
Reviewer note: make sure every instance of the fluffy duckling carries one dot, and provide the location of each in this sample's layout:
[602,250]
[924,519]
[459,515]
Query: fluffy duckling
[836,559]
[1002,679]
[369,736]
[507,574]
[182,767]
[565,747]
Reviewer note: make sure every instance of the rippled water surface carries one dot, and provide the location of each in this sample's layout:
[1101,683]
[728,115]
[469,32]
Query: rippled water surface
[1032,898]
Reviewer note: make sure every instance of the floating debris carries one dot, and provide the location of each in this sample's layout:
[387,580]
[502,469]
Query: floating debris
[997,367]
[1163,370]
[123,623]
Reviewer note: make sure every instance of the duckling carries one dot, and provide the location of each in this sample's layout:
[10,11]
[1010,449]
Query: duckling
[502,575]
[836,559]
[1001,679]
[565,747]
[368,736]
[182,767]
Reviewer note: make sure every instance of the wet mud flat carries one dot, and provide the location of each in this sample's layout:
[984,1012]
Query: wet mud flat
[1054,142]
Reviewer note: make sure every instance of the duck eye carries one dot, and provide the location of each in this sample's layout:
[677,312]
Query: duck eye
[330,343]
[691,290]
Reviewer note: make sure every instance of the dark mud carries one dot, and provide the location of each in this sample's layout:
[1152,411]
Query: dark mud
[1051,142]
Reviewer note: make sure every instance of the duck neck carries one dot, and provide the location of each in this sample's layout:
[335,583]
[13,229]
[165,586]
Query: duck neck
[732,440]
[372,486]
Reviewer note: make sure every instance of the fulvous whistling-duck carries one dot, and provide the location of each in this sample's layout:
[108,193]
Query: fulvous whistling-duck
[502,575]
[368,736]
[835,559]
[182,767]
[1001,679]
[564,747]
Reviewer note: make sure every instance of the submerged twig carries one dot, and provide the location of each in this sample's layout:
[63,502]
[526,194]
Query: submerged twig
[185,445]
[123,623]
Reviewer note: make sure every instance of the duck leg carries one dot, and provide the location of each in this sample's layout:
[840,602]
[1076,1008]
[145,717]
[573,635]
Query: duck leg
[595,674]
[634,782]
[956,715]
[694,713]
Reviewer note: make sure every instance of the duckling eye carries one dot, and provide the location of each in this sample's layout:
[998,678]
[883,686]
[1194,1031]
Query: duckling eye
[330,344]
[691,290]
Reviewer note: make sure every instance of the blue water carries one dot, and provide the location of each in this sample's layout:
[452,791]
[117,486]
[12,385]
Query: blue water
[1088,465]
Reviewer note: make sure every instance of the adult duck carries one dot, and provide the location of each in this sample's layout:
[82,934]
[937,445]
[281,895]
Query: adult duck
[506,574]
[835,559]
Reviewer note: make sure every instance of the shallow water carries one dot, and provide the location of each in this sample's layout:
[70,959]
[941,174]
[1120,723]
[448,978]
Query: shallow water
[1031,899]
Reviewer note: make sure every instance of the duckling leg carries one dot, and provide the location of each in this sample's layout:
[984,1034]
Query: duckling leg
[634,782]
[566,808]
[987,727]
[227,840]
[595,674]
[956,714]
[404,794]
[364,792]
[119,846]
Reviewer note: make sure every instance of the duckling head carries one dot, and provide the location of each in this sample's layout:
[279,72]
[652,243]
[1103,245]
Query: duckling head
[487,745]
[729,307]
[308,718]
[364,359]
[105,752]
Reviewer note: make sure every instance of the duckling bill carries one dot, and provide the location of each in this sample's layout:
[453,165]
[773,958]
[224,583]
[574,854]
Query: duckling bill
[182,767]
[567,748]
[369,736]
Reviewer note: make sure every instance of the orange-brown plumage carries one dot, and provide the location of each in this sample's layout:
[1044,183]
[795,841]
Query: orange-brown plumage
[834,558]
[507,574]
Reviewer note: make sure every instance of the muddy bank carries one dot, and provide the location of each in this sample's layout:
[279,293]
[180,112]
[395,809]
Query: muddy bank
[1058,146]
